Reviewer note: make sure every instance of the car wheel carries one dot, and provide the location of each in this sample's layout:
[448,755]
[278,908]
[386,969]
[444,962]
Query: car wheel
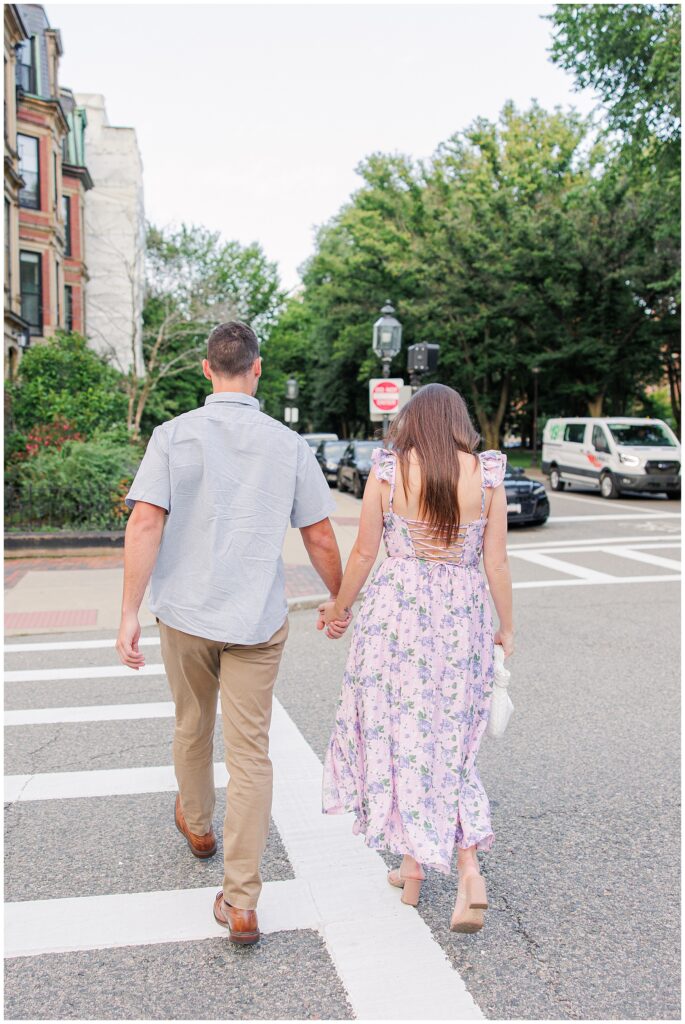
[357,488]
[540,522]
[607,486]
[673,495]
[555,481]
[341,486]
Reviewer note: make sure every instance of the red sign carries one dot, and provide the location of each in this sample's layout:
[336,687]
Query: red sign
[385,396]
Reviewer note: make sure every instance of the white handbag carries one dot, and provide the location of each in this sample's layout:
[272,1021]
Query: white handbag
[501,707]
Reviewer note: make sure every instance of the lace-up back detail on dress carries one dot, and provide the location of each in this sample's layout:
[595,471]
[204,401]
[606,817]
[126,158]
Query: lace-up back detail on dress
[415,538]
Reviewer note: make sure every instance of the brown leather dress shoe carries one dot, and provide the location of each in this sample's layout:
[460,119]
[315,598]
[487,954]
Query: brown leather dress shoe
[200,846]
[242,924]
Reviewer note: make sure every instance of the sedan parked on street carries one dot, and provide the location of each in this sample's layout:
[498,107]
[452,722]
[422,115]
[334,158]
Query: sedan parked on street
[328,455]
[355,465]
[527,501]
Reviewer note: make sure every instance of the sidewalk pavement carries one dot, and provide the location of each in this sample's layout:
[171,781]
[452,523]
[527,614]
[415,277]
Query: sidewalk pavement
[63,591]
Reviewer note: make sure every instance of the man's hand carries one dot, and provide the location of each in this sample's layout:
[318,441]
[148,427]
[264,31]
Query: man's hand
[127,641]
[332,620]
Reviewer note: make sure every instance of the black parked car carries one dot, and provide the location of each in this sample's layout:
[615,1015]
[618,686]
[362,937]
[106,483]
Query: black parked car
[328,455]
[527,500]
[355,465]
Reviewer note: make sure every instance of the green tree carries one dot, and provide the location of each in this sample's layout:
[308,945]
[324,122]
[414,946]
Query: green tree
[194,280]
[629,54]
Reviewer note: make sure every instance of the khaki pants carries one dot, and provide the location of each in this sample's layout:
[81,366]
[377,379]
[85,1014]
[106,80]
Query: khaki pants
[244,675]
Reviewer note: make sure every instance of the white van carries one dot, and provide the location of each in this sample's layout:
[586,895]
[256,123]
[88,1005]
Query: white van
[612,453]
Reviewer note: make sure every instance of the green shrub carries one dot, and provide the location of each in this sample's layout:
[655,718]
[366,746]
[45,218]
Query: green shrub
[65,380]
[81,485]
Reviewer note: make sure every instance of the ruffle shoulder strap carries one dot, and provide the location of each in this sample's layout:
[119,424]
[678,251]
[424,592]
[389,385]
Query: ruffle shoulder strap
[494,465]
[383,462]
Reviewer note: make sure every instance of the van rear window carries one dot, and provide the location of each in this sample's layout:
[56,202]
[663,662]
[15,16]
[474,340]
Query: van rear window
[574,432]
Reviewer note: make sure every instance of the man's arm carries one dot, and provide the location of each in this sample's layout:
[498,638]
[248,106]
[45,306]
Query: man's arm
[324,554]
[141,546]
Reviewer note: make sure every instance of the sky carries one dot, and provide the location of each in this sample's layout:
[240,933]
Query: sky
[251,119]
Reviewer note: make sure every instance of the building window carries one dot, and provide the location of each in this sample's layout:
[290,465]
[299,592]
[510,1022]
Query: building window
[8,254]
[29,170]
[26,65]
[58,321]
[69,307]
[31,291]
[66,213]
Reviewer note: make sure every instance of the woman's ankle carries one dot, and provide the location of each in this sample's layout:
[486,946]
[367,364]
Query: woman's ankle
[411,868]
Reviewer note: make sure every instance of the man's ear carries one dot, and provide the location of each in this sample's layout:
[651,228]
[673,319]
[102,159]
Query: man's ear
[257,367]
[206,369]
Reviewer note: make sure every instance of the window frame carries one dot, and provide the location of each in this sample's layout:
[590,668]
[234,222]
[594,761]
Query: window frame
[35,329]
[66,213]
[22,192]
[31,44]
[573,426]
[69,308]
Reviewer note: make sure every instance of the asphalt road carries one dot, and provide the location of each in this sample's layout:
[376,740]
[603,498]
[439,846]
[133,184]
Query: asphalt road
[583,879]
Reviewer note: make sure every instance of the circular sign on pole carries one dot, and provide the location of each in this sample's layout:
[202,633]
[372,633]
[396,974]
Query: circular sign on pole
[385,396]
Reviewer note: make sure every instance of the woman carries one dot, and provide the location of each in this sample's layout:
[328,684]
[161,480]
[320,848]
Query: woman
[418,682]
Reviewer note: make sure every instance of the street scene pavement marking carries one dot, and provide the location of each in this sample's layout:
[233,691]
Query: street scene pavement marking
[39,927]
[377,944]
[538,558]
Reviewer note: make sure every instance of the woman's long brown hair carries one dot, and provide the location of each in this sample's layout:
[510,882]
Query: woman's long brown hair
[436,424]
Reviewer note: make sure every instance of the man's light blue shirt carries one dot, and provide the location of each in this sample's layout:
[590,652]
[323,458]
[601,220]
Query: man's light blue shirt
[231,479]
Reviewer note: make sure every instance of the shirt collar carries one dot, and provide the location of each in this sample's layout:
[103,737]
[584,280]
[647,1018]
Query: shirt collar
[237,397]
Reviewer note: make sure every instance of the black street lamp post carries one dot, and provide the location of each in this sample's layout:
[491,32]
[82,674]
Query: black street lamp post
[387,342]
[536,374]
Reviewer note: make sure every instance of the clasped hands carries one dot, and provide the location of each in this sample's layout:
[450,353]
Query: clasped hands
[333,619]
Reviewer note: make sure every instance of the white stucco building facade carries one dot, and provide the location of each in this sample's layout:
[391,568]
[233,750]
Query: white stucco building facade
[115,238]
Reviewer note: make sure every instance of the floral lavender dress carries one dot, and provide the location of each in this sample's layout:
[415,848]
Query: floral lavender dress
[416,694]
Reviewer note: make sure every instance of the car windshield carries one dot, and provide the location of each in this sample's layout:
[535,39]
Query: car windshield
[643,435]
[334,449]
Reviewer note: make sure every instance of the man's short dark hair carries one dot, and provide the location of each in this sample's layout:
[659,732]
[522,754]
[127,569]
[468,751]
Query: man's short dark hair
[232,349]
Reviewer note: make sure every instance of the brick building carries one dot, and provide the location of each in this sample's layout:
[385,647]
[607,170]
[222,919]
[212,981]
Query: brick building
[47,138]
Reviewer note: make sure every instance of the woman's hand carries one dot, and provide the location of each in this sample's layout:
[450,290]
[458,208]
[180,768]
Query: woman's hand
[506,640]
[333,620]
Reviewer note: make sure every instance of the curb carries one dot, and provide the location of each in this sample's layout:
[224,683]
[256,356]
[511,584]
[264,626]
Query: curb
[64,539]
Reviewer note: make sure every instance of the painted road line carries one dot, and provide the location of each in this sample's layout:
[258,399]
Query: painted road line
[547,562]
[75,645]
[647,557]
[587,500]
[616,580]
[666,540]
[37,927]
[38,675]
[383,951]
[612,516]
[102,782]
[89,713]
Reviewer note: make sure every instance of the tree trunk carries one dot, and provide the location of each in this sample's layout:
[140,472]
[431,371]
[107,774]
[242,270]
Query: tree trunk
[491,426]
[594,405]
[674,388]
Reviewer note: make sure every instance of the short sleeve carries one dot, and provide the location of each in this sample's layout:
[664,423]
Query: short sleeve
[494,465]
[152,482]
[383,462]
[313,500]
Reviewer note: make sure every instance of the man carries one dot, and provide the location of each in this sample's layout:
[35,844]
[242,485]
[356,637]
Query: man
[211,503]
